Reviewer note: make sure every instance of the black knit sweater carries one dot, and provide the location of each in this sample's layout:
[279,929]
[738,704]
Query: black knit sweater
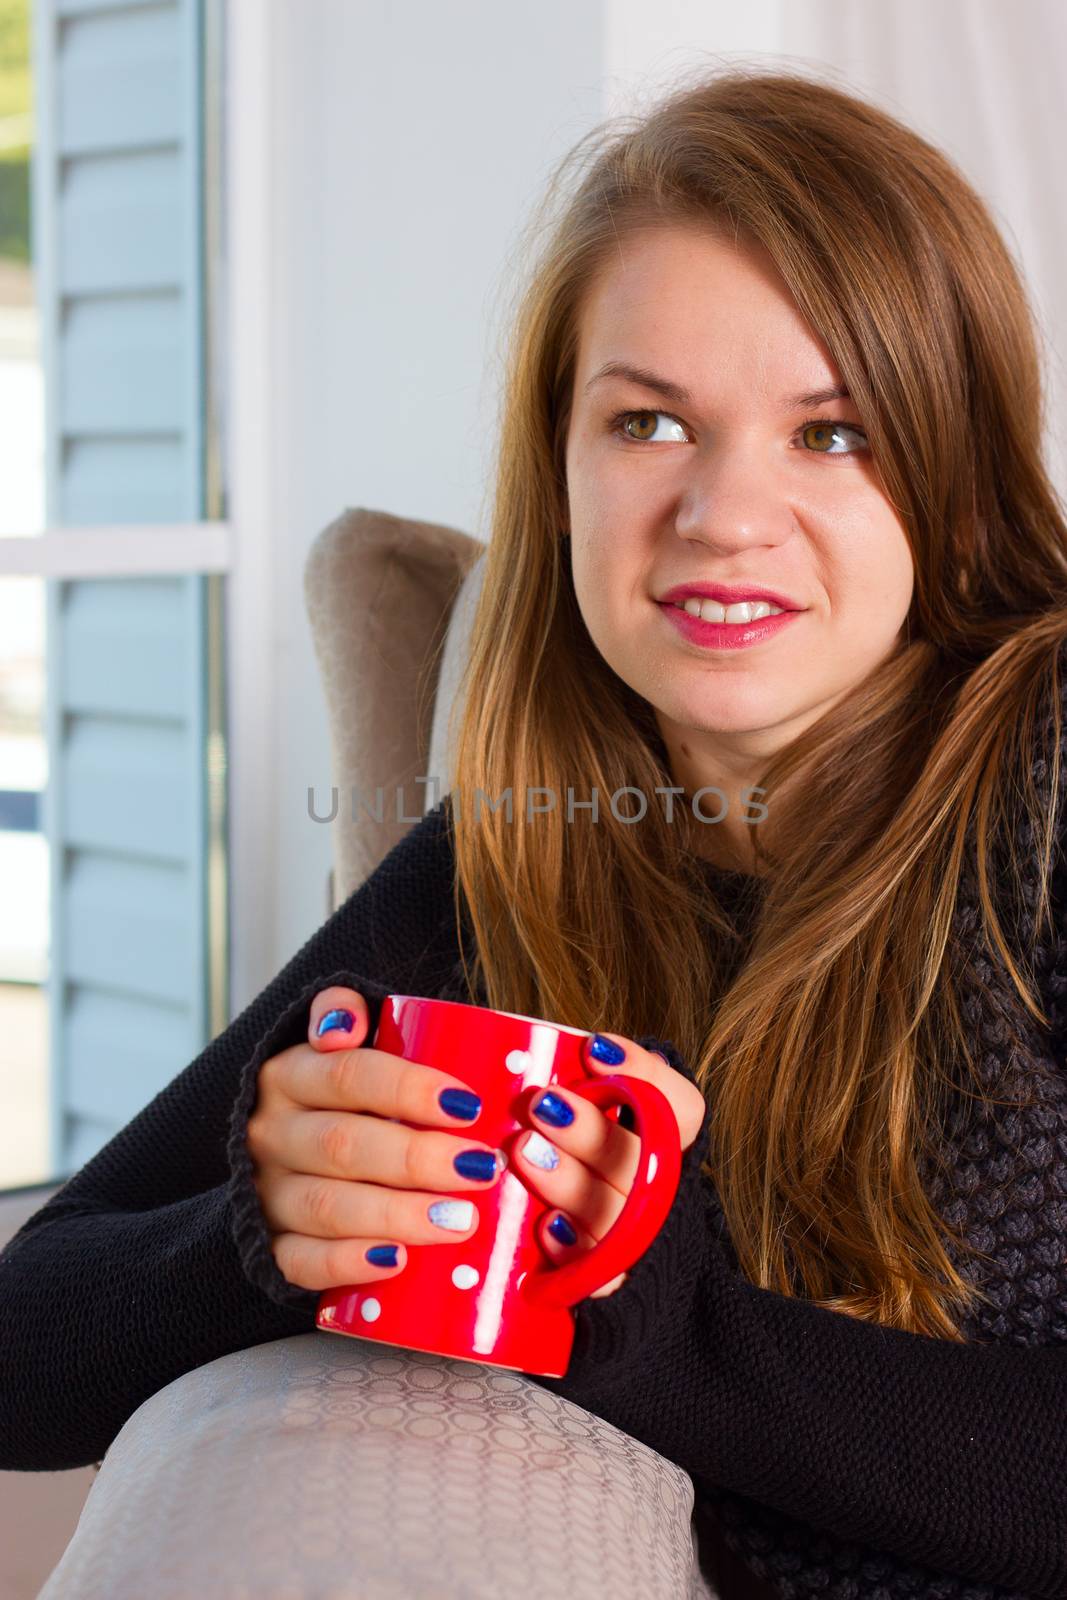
[843,1459]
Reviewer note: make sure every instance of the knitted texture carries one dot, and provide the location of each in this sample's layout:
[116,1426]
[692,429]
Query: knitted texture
[842,1459]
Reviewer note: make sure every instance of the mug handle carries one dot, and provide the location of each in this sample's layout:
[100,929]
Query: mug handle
[646,1206]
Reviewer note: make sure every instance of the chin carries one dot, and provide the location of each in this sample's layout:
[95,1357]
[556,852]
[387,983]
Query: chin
[709,715]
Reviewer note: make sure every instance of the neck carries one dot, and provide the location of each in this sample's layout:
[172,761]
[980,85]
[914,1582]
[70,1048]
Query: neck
[723,854]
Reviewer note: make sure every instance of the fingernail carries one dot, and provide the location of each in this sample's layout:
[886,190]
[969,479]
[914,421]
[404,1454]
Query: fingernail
[455,1214]
[476,1164]
[382,1255]
[541,1153]
[551,1108]
[459,1103]
[561,1229]
[606,1050]
[335,1019]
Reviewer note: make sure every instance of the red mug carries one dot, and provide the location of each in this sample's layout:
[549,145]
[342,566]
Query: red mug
[497,1297]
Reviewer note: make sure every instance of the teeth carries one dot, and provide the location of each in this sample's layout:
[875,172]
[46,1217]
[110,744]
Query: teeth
[715,611]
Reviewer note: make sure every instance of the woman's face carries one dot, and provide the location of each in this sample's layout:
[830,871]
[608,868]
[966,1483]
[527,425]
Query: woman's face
[726,478]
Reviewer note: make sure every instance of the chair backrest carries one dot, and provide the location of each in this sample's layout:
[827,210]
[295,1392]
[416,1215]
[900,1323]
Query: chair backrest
[383,593]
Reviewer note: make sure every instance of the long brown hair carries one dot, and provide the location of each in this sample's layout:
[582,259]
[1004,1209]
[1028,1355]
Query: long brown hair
[828,1054]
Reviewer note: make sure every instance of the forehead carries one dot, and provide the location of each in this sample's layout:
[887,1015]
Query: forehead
[698,306]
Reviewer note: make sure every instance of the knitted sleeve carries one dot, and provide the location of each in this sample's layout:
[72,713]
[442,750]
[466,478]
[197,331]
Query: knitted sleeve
[154,1257]
[882,1457]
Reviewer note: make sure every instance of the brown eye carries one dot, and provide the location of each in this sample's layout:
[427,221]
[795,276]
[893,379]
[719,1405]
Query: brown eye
[641,424]
[819,437]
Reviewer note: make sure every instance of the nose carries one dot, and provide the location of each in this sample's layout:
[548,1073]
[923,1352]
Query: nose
[729,501]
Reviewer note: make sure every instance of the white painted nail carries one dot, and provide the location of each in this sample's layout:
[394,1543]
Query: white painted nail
[455,1214]
[538,1150]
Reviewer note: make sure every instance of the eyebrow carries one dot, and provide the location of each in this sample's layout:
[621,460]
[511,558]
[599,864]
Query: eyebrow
[681,396]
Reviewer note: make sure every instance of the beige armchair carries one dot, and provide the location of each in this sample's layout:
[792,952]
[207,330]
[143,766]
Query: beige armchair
[317,1465]
[383,593]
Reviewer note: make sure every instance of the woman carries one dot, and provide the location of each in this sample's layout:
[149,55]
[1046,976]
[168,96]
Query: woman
[773,346]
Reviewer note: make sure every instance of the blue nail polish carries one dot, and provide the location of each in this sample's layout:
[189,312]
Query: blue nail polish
[382,1255]
[459,1103]
[561,1229]
[551,1108]
[606,1050]
[335,1019]
[475,1164]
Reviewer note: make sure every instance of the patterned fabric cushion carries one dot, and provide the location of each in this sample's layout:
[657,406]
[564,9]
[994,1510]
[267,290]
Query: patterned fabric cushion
[323,1467]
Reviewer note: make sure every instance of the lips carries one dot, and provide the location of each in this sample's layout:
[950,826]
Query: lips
[728,595]
[716,637]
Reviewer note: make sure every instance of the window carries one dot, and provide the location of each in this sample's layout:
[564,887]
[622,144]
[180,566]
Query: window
[24,1128]
[112,769]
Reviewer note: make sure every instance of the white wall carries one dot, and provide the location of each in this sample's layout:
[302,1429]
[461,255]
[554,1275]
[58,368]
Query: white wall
[399,150]
[406,145]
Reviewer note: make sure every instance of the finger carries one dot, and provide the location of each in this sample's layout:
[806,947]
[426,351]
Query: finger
[361,1078]
[583,1130]
[346,1145]
[330,1208]
[562,1239]
[686,1098]
[330,1263]
[338,1018]
[563,1181]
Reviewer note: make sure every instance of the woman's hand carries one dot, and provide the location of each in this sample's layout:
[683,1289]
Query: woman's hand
[336,1170]
[595,1159]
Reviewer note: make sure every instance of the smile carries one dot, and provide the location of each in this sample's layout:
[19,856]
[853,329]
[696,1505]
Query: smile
[718,627]
[715,611]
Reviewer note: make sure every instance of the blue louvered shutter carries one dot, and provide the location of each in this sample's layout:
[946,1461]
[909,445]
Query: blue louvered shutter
[118,231]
